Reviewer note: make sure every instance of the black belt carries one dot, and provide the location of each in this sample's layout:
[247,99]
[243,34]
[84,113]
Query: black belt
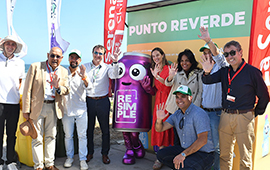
[236,111]
[212,110]
[97,98]
[48,101]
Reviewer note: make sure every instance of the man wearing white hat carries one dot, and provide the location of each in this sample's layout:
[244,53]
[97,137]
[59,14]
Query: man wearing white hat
[193,128]
[76,110]
[11,74]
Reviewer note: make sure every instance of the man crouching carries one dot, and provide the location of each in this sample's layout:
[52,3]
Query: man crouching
[193,128]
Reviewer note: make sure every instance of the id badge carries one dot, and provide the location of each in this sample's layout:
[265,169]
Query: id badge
[53,93]
[230,98]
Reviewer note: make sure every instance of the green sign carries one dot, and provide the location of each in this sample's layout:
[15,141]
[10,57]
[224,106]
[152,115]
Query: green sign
[224,18]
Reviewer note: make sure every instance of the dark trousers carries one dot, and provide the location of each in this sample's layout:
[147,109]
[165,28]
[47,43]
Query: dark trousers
[101,109]
[10,114]
[196,161]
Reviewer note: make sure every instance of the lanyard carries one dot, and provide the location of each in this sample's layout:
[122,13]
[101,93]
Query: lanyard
[95,75]
[50,72]
[6,62]
[229,77]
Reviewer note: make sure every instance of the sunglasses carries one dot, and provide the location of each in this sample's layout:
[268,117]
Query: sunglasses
[232,53]
[57,56]
[95,52]
[181,123]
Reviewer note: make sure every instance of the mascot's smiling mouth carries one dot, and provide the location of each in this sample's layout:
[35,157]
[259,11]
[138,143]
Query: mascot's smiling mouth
[126,84]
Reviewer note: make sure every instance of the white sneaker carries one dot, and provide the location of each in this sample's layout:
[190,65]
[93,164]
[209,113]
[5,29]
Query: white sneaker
[1,167]
[12,166]
[83,165]
[68,162]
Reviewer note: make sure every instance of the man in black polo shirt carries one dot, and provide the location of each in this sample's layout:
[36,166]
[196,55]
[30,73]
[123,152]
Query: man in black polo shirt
[241,83]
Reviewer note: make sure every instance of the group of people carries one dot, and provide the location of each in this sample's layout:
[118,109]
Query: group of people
[198,113]
[210,108]
[186,72]
[77,94]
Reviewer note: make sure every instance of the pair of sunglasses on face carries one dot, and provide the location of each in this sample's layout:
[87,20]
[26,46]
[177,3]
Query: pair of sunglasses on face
[57,56]
[232,53]
[97,53]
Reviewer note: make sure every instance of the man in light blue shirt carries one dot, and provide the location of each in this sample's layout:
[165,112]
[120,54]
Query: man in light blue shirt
[212,93]
[196,150]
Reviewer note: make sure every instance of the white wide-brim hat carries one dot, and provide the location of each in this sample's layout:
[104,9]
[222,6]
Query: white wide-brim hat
[12,38]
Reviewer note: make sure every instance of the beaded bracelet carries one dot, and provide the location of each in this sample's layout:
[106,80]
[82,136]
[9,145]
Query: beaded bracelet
[84,78]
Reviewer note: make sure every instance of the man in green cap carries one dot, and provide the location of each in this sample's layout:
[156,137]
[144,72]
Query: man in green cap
[76,110]
[193,128]
[212,93]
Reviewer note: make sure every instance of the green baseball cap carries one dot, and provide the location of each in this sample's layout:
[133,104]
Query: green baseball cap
[183,89]
[206,47]
[75,51]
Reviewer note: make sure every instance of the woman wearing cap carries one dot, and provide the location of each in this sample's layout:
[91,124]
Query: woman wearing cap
[160,70]
[185,72]
[11,74]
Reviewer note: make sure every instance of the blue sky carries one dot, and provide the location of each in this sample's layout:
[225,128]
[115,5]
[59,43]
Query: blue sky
[82,24]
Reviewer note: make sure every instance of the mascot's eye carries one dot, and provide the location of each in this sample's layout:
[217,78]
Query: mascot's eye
[137,72]
[121,70]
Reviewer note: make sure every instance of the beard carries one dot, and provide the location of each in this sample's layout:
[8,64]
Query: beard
[74,65]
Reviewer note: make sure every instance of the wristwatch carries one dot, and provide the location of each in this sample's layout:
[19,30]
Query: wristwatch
[183,154]
[58,90]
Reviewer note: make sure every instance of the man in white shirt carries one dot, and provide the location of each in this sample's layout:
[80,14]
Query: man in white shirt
[76,110]
[98,103]
[11,74]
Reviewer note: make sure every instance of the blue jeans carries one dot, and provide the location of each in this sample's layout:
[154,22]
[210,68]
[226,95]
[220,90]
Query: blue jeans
[196,161]
[101,109]
[214,123]
[81,124]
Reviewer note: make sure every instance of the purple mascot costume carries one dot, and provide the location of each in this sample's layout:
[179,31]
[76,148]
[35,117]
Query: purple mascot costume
[132,103]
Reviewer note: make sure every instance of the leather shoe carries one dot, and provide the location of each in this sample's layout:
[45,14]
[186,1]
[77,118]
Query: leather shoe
[89,157]
[51,168]
[105,159]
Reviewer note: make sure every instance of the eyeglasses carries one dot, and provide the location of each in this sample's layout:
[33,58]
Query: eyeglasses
[181,123]
[232,53]
[57,56]
[95,52]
